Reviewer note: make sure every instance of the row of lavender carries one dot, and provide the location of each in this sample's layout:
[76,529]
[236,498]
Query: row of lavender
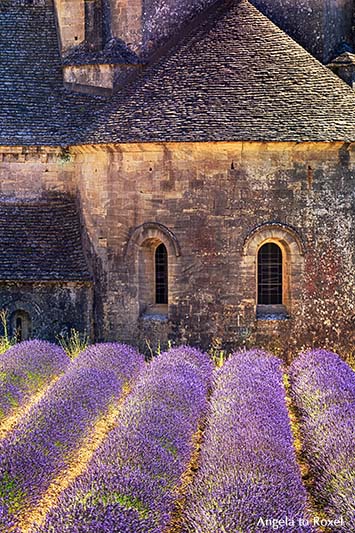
[132,482]
[39,447]
[248,475]
[248,478]
[323,389]
[25,369]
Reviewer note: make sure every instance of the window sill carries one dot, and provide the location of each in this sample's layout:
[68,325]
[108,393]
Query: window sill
[272,312]
[156,312]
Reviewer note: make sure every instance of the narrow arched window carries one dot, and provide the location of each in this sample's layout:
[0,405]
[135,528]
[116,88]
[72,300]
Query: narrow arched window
[161,274]
[21,325]
[270,274]
[19,328]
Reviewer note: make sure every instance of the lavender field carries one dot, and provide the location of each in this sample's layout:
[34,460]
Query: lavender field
[110,443]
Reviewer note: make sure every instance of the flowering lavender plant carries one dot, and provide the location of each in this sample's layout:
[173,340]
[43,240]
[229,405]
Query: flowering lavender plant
[130,485]
[7,523]
[40,446]
[26,368]
[323,388]
[119,358]
[248,472]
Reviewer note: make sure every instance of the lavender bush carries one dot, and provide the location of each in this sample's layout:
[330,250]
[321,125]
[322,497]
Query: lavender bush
[120,358]
[130,485]
[40,446]
[7,524]
[323,389]
[248,468]
[26,368]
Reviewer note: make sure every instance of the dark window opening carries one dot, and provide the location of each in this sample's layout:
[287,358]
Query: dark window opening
[19,328]
[21,325]
[270,275]
[161,275]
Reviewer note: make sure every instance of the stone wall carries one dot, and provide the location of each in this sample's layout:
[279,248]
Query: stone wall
[35,172]
[142,24]
[71,22]
[147,24]
[54,308]
[126,21]
[211,203]
[320,26]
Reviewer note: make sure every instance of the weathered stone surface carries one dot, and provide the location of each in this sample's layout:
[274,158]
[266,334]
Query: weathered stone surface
[143,27]
[344,67]
[186,96]
[214,198]
[71,22]
[235,138]
[54,308]
[92,75]
[94,24]
[35,172]
[322,27]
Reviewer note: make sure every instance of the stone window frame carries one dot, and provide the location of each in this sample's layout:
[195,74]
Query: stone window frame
[140,250]
[293,251]
[26,319]
[26,304]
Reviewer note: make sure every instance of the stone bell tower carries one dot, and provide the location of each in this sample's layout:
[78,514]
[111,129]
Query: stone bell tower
[103,42]
[323,27]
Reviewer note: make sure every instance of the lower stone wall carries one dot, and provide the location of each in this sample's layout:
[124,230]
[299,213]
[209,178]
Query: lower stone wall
[212,205]
[53,308]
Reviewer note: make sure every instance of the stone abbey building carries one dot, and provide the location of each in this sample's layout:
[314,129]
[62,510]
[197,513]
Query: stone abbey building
[179,169]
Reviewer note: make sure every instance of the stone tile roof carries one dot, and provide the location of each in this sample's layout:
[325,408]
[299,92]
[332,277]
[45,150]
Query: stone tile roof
[41,241]
[115,52]
[238,77]
[35,109]
[344,59]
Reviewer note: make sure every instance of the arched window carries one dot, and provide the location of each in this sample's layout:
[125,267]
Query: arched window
[152,259]
[21,325]
[153,277]
[161,274]
[270,275]
[272,270]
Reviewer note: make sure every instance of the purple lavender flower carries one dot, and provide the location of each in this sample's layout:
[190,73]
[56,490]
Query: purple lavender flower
[248,471]
[323,389]
[40,446]
[26,368]
[7,523]
[130,485]
[120,358]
